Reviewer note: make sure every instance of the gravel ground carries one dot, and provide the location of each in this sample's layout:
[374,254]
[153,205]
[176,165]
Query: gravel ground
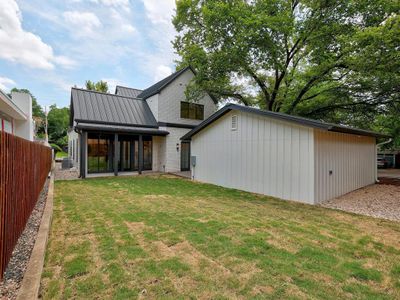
[22,252]
[68,174]
[378,200]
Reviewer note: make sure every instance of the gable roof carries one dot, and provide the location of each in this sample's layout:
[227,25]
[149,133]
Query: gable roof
[283,117]
[102,108]
[127,92]
[157,87]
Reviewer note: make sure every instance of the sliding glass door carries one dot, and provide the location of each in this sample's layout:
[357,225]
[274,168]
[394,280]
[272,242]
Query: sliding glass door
[129,153]
[128,156]
[100,153]
[100,149]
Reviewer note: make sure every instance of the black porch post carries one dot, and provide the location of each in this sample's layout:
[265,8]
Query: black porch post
[83,154]
[116,154]
[140,154]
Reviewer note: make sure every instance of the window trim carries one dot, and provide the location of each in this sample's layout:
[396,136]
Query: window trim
[234,128]
[193,108]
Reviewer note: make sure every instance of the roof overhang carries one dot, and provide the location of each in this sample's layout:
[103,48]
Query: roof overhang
[283,117]
[8,107]
[112,128]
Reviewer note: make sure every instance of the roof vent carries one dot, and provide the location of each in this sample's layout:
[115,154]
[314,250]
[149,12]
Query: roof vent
[234,122]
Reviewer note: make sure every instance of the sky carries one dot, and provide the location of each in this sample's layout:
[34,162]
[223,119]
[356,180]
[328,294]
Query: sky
[48,46]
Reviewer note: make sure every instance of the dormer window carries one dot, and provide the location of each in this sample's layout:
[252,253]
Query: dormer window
[192,111]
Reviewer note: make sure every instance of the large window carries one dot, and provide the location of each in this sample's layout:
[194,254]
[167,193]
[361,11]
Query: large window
[100,153]
[192,111]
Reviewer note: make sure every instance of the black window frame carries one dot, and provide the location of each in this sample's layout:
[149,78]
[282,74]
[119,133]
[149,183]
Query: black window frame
[193,111]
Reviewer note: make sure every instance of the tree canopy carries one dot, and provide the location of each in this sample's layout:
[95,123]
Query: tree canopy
[99,86]
[336,61]
[58,122]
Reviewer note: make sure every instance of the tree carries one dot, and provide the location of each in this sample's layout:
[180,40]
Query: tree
[331,60]
[100,86]
[37,111]
[58,121]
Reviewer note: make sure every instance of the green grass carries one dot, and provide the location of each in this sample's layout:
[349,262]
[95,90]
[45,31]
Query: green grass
[164,237]
[61,154]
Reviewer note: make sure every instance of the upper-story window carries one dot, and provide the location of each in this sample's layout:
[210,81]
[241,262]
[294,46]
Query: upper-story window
[192,111]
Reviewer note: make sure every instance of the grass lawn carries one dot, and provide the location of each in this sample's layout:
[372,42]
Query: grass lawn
[61,154]
[164,237]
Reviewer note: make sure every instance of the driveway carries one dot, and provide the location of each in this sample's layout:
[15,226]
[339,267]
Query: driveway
[389,176]
[378,200]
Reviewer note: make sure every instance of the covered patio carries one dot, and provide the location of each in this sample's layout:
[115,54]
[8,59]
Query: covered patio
[116,150]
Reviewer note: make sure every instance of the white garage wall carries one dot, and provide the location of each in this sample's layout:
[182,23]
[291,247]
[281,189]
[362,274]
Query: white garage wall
[351,159]
[263,155]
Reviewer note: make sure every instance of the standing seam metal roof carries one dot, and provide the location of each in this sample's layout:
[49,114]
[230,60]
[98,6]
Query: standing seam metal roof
[96,107]
[127,92]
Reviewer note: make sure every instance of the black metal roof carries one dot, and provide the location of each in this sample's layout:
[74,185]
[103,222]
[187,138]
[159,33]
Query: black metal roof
[102,108]
[127,92]
[157,87]
[283,117]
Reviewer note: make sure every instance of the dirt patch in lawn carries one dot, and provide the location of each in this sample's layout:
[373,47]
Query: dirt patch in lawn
[136,227]
[262,290]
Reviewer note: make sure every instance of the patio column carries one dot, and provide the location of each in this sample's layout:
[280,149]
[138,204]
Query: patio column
[140,154]
[83,154]
[116,154]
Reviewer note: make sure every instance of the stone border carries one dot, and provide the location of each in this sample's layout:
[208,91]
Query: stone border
[31,283]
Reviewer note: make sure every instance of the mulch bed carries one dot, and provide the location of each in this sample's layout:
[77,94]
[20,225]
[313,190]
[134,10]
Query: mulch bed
[387,180]
[19,261]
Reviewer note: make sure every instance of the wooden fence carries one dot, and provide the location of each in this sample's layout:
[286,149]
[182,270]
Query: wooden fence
[24,166]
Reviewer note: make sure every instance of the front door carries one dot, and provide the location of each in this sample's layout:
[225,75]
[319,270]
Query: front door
[185,156]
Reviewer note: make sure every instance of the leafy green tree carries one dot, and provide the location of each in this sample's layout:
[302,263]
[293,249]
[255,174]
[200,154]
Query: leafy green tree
[58,122]
[100,86]
[331,60]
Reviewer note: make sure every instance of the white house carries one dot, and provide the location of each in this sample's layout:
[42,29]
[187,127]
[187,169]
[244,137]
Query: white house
[280,155]
[134,130]
[16,115]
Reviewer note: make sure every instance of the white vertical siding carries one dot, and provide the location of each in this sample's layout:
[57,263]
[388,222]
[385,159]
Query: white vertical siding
[172,156]
[74,141]
[351,159]
[263,155]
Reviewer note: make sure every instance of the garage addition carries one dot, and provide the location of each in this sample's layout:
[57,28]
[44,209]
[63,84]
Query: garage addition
[283,156]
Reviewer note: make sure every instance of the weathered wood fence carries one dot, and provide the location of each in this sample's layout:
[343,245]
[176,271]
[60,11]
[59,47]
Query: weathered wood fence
[24,166]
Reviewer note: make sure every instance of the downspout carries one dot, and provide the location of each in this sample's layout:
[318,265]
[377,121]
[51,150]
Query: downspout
[376,156]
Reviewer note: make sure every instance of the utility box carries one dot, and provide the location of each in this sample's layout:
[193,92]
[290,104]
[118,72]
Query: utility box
[193,161]
[66,163]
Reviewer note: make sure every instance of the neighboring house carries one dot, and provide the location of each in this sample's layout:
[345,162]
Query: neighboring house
[16,115]
[280,155]
[134,130]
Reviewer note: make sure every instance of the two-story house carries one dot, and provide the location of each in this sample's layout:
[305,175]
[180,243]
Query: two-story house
[16,115]
[135,130]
